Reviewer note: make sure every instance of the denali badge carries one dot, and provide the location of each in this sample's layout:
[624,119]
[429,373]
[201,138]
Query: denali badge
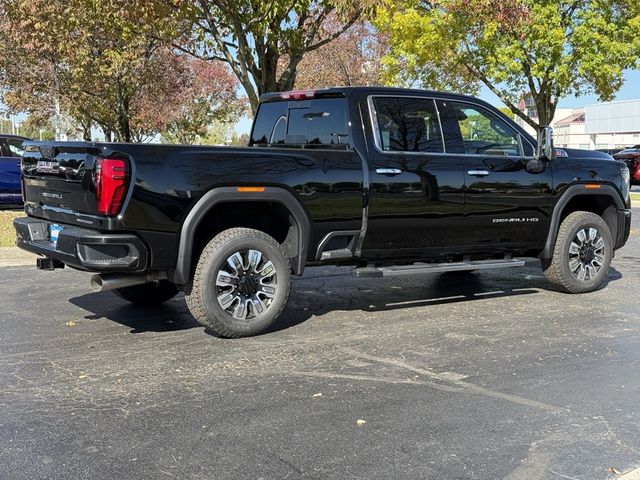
[45,166]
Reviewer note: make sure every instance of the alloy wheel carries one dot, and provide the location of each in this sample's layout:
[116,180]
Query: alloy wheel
[586,254]
[246,284]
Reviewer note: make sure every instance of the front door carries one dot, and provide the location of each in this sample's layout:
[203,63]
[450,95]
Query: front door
[507,201]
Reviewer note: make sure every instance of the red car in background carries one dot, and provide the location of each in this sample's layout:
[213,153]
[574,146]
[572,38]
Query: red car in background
[631,156]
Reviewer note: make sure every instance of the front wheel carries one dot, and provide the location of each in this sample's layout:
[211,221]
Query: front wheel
[241,283]
[582,254]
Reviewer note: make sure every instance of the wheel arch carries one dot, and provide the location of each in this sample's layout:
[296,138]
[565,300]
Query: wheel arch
[604,201]
[297,244]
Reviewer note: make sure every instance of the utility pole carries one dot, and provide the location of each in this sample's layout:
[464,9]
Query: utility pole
[57,120]
[57,106]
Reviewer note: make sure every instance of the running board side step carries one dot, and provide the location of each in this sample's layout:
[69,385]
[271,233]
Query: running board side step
[418,268]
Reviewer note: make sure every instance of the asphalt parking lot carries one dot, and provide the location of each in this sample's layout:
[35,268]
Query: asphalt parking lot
[488,376]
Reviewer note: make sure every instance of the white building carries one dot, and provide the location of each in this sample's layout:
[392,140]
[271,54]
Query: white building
[613,124]
[569,131]
[603,126]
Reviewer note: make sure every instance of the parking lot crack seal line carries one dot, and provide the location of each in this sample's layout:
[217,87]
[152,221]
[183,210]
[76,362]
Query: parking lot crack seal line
[395,381]
[457,383]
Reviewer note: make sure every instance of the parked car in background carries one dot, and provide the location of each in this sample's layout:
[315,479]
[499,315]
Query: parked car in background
[10,154]
[631,156]
[610,151]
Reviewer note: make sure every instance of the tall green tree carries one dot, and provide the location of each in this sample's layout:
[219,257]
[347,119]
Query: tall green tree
[546,48]
[262,41]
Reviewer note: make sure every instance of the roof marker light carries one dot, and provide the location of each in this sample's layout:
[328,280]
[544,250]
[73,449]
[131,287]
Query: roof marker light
[298,94]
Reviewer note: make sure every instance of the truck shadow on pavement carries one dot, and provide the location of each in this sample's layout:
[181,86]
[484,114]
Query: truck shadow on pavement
[315,296]
[332,289]
[169,317]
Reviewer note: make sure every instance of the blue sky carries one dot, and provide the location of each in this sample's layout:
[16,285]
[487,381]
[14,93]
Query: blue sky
[630,91]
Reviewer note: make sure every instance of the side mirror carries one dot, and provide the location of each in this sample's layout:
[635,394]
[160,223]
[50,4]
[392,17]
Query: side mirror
[545,144]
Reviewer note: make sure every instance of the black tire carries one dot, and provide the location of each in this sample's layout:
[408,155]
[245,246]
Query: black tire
[245,294]
[153,293]
[560,270]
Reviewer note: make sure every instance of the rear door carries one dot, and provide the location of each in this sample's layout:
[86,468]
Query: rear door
[506,202]
[417,197]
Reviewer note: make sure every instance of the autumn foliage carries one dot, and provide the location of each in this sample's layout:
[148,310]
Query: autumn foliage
[101,64]
[352,59]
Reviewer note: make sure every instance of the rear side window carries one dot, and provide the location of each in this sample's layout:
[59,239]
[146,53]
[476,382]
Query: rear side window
[317,123]
[408,125]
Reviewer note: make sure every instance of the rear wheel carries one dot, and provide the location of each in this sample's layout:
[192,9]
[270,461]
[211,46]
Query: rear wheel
[153,293]
[582,254]
[241,283]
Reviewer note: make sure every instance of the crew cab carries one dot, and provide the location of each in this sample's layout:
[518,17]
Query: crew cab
[389,181]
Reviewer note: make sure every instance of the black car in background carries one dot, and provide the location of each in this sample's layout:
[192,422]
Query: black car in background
[10,154]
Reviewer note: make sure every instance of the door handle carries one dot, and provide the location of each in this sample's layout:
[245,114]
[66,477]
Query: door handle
[388,171]
[478,173]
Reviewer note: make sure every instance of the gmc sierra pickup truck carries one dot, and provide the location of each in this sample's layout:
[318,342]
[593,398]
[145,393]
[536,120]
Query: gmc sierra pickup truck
[390,181]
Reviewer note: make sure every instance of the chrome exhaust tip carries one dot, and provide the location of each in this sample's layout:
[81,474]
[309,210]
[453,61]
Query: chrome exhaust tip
[110,281]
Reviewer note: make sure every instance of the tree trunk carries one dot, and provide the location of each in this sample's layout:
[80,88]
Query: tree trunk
[546,109]
[108,135]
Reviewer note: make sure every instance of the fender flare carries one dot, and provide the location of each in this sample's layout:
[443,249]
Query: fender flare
[572,192]
[214,197]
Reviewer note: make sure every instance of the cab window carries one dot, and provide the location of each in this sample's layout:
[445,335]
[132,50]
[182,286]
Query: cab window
[314,123]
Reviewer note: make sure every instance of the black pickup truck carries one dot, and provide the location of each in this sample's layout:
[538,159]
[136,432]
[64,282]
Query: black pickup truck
[391,181]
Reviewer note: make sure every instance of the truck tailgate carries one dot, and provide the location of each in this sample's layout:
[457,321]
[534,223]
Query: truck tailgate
[61,181]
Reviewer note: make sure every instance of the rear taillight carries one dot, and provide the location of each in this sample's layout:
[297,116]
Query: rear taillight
[111,184]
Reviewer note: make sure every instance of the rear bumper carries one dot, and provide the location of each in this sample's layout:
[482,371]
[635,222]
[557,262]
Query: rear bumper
[624,219]
[82,248]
